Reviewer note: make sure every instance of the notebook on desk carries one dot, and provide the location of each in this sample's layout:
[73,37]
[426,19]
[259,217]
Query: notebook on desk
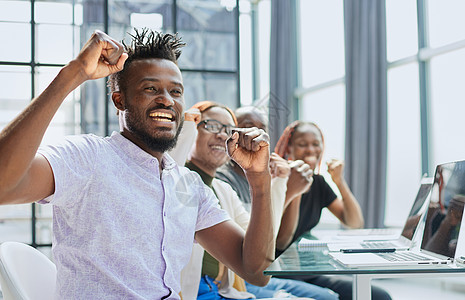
[441,230]
[409,231]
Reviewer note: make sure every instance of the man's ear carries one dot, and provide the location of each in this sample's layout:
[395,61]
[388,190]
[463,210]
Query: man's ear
[118,100]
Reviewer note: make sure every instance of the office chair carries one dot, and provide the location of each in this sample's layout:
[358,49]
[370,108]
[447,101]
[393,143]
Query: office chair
[25,273]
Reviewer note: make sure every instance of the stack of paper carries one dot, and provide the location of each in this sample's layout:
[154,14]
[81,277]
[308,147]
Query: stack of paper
[307,244]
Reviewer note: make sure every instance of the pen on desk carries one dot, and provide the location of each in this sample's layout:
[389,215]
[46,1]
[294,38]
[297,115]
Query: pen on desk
[385,250]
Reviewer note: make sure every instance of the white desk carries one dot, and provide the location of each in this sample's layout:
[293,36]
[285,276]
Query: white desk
[318,262]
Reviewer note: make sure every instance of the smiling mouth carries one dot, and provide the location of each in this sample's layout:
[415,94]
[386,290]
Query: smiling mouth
[161,117]
[219,148]
[311,159]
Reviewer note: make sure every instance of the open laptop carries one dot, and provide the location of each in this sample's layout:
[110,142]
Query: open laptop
[441,230]
[405,239]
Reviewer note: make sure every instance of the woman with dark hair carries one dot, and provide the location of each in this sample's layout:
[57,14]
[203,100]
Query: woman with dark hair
[305,141]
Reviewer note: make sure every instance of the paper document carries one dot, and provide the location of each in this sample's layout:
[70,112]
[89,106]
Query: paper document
[307,244]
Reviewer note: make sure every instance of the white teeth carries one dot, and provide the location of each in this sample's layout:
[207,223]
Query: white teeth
[219,148]
[162,120]
[160,116]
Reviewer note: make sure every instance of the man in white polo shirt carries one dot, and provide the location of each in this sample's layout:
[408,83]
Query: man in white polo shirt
[125,215]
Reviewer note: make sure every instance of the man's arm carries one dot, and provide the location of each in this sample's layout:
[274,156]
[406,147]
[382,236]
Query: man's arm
[249,254]
[24,176]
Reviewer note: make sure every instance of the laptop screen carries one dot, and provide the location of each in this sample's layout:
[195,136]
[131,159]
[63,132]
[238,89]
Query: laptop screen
[417,210]
[445,211]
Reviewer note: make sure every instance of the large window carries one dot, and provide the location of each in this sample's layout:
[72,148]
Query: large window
[322,68]
[426,55]
[322,94]
[255,23]
[404,118]
[39,37]
[426,63]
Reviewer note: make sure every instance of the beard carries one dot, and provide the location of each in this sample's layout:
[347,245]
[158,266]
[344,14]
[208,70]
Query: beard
[154,143]
[158,144]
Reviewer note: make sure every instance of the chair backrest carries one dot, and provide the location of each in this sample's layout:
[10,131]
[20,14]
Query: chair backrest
[25,273]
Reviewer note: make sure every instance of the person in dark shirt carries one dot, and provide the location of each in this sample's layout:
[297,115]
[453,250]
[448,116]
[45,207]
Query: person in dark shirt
[305,141]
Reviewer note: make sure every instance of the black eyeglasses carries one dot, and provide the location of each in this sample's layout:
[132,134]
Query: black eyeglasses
[215,126]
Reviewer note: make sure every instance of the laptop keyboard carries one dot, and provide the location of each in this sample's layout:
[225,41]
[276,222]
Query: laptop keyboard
[378,245]
[403,256]
[372,231]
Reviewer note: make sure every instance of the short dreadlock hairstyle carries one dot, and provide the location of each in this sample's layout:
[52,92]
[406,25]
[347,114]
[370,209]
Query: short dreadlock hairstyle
[146,44]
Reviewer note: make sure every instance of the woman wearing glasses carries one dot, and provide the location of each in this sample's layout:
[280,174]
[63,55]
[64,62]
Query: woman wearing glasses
[207,155]
[215,127]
